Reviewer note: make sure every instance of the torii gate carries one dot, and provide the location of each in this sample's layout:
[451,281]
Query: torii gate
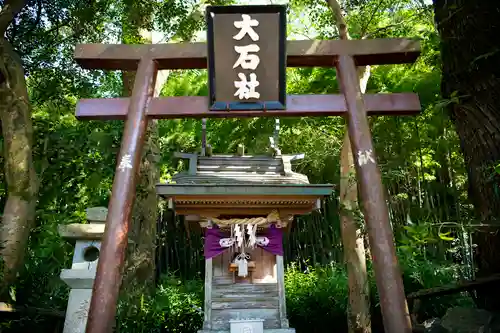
[345,55]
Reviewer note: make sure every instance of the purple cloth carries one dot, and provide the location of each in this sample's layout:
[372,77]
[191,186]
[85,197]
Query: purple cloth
[275,236]
[212,246]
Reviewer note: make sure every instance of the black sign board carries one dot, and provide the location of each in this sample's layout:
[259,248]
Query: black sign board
[246,57]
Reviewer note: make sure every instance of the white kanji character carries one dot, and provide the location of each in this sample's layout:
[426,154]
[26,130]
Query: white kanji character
[126,162]
[365,156]
[245,60]
[246,89]
[245,26]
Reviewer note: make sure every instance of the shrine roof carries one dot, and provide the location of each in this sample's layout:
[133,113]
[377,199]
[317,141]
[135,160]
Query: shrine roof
[243,199]
[231,169]
[200,191]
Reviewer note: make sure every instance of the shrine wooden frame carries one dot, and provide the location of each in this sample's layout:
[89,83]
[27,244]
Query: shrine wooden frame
[280,104]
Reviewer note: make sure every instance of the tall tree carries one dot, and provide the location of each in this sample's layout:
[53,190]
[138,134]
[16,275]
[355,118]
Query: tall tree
[471,83]
[139,19]
[36,40]
[358,317]
[137,26]
[17,130]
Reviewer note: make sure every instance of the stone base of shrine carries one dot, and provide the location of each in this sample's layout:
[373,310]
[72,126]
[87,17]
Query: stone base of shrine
[266,330]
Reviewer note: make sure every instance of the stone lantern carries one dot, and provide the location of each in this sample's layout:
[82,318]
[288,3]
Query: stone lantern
[80,278]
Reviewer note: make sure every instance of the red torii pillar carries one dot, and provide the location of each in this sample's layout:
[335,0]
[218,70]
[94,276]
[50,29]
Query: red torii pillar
[147,59]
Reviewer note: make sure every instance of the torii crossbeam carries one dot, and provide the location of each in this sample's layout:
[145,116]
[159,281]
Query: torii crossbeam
[342,54]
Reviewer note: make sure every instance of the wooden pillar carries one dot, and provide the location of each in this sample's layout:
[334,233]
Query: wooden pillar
[387,273]
[280,275]
[207,321]
[112,255]
[204,137]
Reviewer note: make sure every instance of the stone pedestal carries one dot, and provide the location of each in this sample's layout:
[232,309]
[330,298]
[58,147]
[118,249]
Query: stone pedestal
[80,278]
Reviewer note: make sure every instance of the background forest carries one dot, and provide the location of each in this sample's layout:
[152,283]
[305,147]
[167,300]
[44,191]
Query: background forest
[54,167]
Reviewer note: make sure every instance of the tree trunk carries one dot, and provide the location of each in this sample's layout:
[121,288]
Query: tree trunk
[20,174]
[358,316]
[141,259]
[471,80]
[145,213]
[140,266]
[352,235]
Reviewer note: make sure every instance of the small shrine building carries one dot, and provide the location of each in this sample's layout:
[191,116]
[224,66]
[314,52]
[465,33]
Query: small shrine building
[245,204]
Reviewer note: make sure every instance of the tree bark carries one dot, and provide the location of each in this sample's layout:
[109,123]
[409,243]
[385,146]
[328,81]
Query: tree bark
[471,81]
[22,183]
[353,239]
[140,267]
[358,316]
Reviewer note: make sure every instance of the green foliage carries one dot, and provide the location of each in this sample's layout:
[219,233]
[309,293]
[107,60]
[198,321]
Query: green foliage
[417,239]
[176,307]
[420,157]
[317,297]
[421,273]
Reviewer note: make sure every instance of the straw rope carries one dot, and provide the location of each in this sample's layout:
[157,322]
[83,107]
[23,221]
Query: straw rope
[272,217]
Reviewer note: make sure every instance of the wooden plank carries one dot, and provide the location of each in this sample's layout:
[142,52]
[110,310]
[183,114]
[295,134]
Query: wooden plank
[252,176]
[193,163]
[268,266]
[239,161]
[249,298]
[248,287]
[227,293]
[454,288]
[280,271]
[271,325]
[207,320]
[216,265]
[240,211]
[246,304]
[238,168]
[303,53]
[246,178]
[245,290]
[222,280]
[6,307]
[396,104]
[228,314]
